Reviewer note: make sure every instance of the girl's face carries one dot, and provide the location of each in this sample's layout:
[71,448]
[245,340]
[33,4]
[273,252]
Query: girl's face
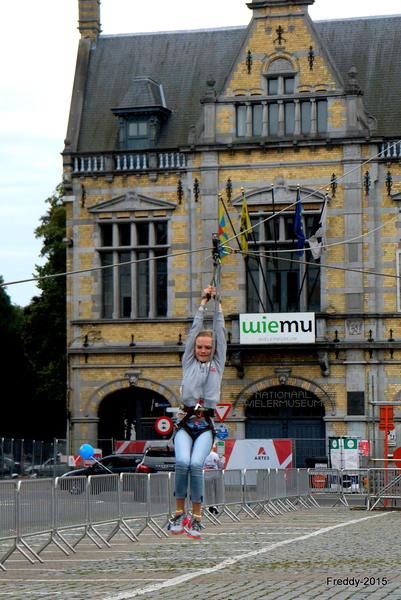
[203,348]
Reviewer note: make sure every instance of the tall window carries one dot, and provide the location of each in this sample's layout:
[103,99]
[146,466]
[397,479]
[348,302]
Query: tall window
[273,119]
[276,280]
[257,119]
[137,286]
[321,116]
[241,120]
[306,114]
[289,118]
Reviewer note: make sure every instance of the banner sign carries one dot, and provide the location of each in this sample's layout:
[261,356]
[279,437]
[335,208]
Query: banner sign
[277,328]
[344,453]
[258,454]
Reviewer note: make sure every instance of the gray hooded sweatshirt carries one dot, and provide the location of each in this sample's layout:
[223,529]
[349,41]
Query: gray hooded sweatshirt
[196,373]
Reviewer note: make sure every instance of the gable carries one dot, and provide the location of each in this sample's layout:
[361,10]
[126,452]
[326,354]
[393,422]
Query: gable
[132,201]
[278,43]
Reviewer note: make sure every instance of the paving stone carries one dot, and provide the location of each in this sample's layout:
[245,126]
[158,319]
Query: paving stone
[321,553]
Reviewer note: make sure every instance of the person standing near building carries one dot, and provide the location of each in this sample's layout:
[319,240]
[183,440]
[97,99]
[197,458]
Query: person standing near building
[203,365]
[213,460]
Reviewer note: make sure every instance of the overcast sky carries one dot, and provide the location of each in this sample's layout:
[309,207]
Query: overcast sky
[38,44]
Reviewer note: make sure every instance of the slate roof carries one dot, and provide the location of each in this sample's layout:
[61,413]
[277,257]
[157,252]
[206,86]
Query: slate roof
[143,92]
[373,46]
[182,61]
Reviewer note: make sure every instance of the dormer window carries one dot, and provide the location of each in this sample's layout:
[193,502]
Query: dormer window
[138,129]
[141,114]
[134,133]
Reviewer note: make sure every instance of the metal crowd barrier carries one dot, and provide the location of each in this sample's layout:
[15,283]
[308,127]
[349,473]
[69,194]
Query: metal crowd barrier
[65,511]
[376,486]
[213,494]
[71,509]
[383,486]
[132,506]
[232,493]
[8,517]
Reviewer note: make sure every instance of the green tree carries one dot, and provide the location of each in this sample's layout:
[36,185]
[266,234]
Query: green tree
[14,396]
[45,327]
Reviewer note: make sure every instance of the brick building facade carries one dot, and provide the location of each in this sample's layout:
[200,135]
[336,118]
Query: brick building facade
[163,124]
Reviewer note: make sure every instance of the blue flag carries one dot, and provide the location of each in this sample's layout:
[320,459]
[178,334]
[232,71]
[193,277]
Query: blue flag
[299,226]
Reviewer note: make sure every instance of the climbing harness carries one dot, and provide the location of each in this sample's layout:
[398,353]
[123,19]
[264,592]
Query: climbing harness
[196,431]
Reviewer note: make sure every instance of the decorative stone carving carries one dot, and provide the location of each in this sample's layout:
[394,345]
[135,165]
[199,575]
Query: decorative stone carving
[133,377]
[237,361]
[283,374]
[355,327]
[323,359]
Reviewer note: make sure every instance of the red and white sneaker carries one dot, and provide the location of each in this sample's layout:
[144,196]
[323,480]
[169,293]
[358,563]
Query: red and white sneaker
[178,522]
[195,528]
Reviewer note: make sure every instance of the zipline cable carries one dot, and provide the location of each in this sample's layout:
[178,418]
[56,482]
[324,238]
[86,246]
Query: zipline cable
[172,255]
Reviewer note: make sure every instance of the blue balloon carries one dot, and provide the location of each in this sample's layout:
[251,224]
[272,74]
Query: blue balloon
[86,451]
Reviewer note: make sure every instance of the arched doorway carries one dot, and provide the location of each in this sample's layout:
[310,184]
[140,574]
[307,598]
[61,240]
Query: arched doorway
[130,414]
[288,411]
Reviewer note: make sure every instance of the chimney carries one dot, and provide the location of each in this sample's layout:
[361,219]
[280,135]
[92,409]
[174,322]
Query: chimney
[89,18]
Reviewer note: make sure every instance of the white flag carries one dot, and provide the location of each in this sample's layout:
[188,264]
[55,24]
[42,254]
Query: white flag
[317,248]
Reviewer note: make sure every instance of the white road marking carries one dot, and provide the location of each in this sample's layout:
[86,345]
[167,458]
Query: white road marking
[231,561]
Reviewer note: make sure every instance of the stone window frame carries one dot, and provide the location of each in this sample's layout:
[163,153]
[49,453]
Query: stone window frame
[139,277]
[261,211]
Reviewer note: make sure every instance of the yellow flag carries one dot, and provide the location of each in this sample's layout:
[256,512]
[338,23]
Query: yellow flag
[245,225]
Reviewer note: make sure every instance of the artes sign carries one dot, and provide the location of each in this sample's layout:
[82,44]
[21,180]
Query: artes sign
[277,328]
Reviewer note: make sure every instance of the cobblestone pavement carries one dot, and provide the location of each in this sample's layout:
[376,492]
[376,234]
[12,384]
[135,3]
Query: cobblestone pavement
[313,553]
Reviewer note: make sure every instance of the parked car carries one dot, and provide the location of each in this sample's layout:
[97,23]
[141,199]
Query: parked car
[49,468]
[157,459]
[9,467]
[115,463]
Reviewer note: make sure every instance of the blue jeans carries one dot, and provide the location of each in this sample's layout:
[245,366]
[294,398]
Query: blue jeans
[190,458]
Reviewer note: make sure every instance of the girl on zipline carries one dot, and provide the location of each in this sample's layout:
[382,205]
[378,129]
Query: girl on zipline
[203,364]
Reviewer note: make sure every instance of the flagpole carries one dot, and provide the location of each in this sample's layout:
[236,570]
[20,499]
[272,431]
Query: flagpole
[302,286]
[320,230]
[314,284]
[249,272]
[275,259]
[262,269]
[291,263]
[300,232]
